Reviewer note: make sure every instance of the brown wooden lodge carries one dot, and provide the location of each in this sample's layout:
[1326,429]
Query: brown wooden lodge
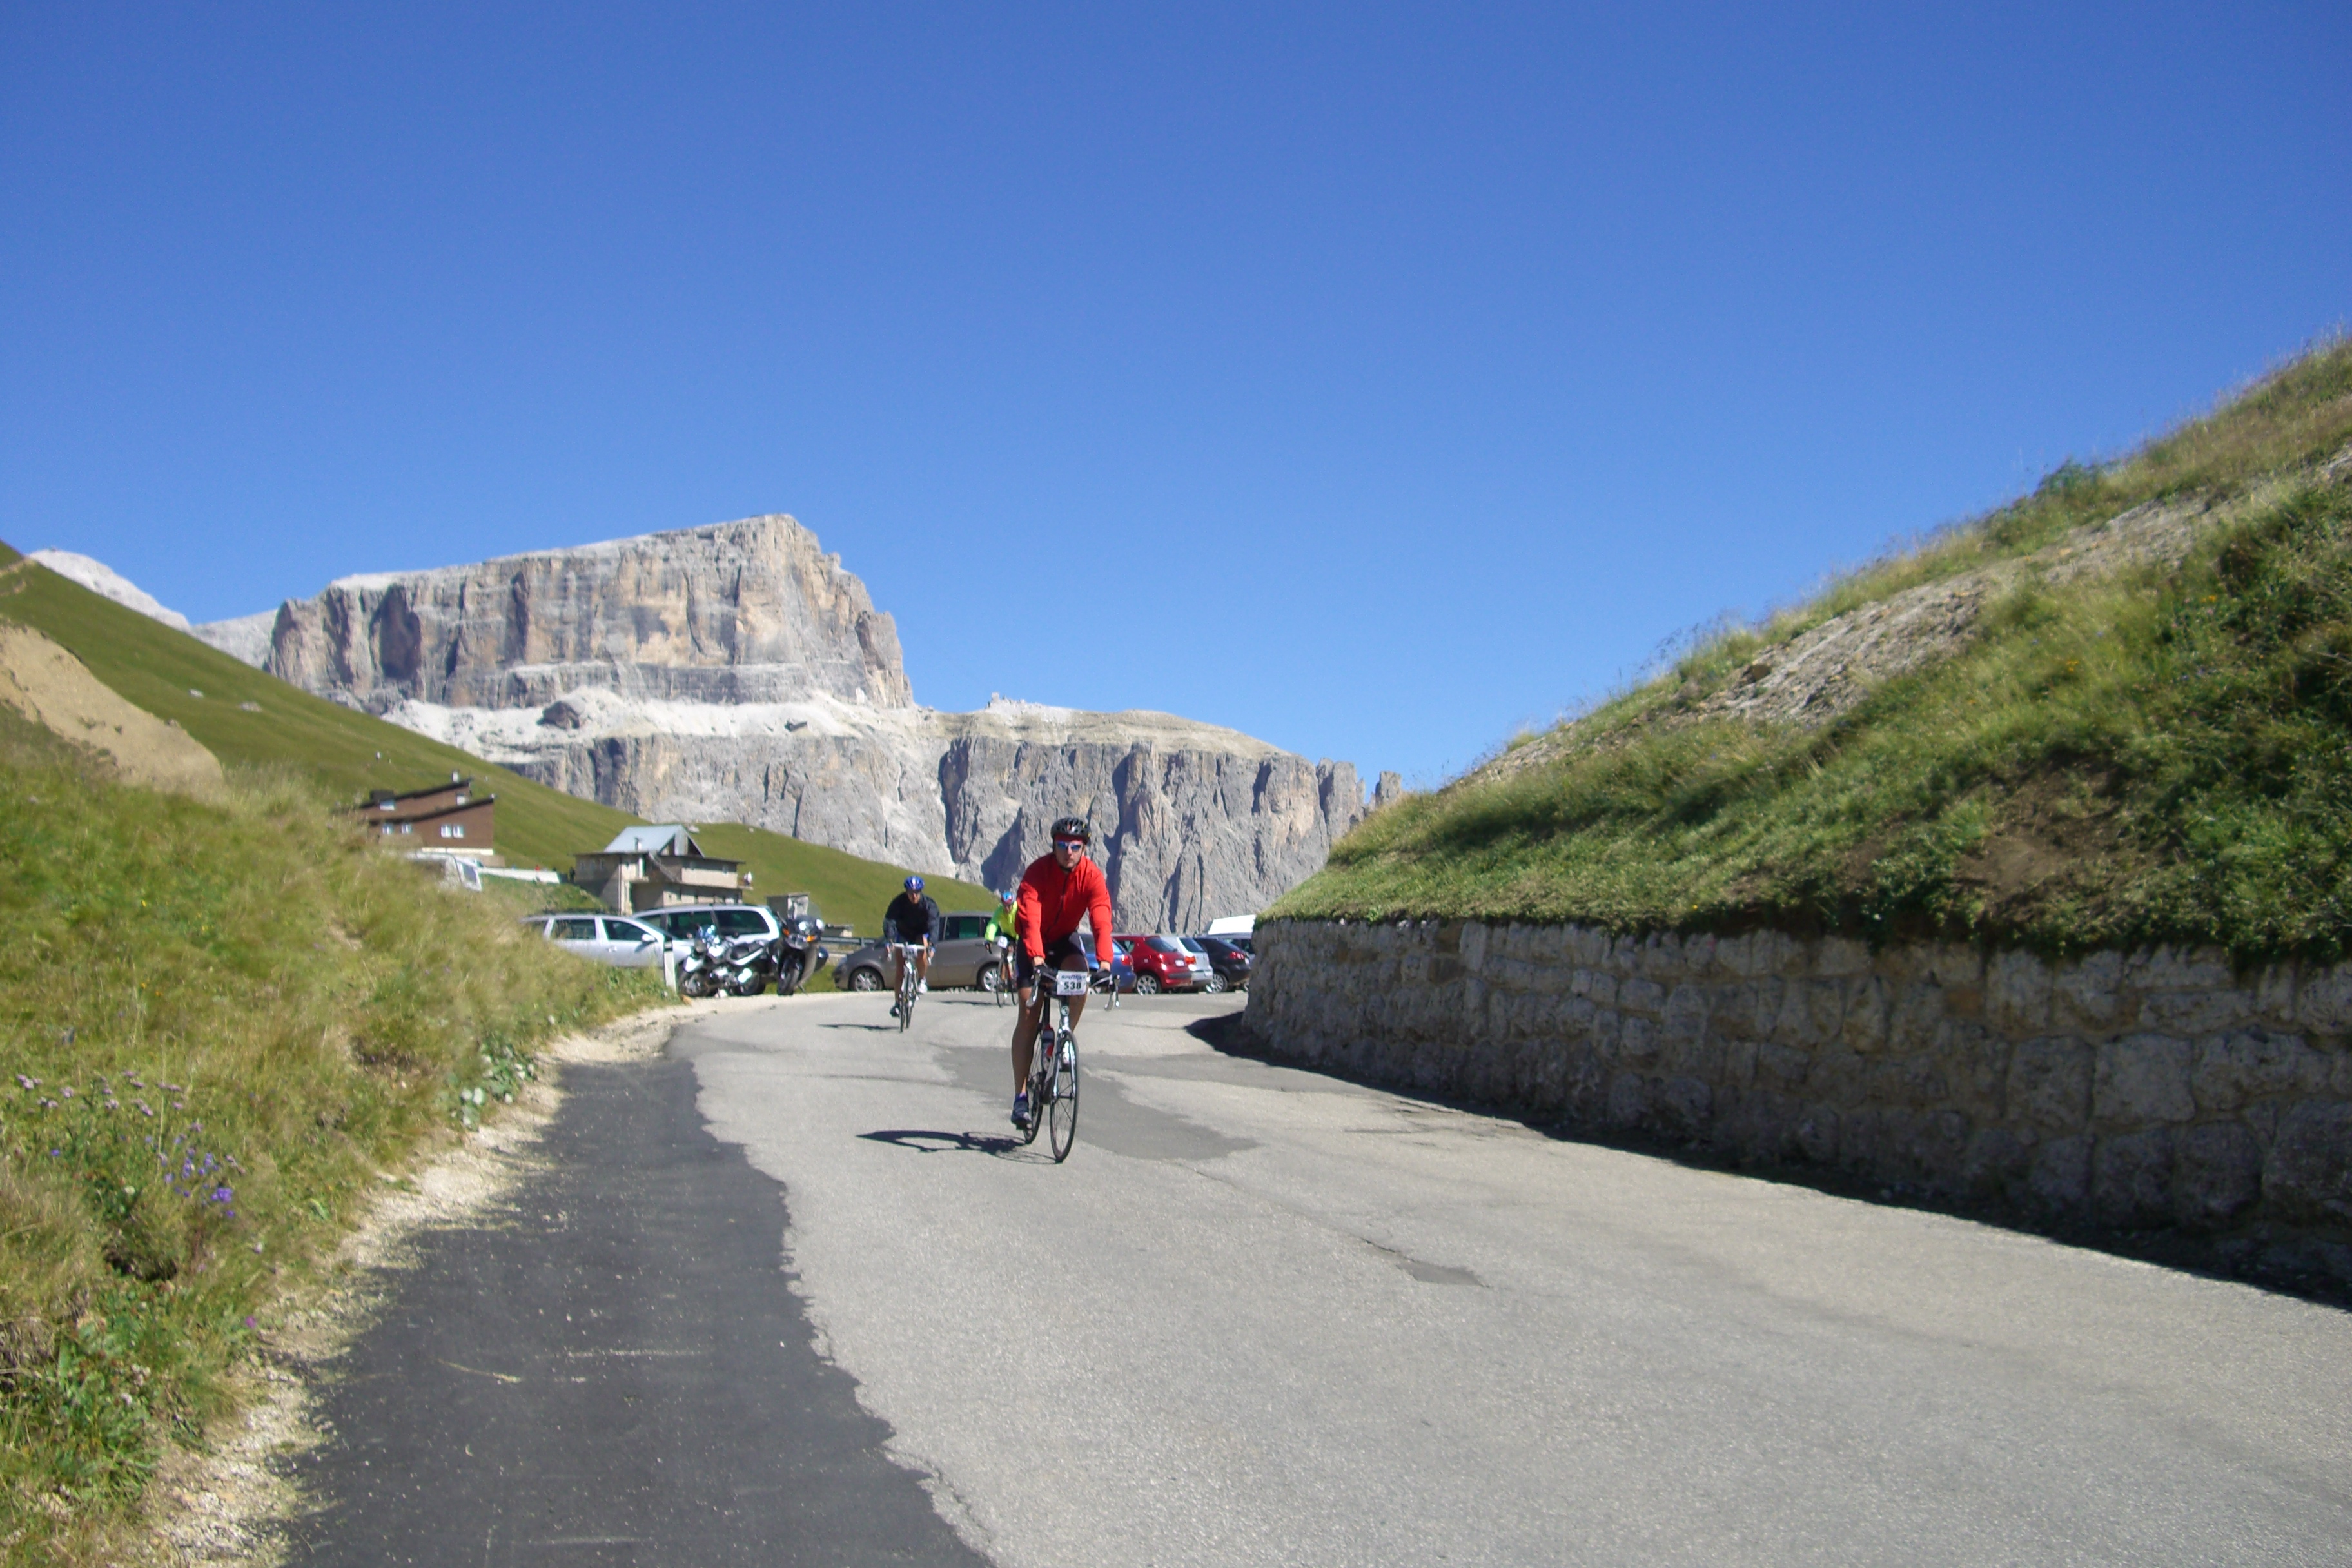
[447,819]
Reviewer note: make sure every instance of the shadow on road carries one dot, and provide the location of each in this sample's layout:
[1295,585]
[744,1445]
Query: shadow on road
[2279,1263]
[929,1140]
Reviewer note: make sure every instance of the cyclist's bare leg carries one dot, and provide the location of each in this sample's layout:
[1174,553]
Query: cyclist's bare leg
[1024,1039]
[923,963]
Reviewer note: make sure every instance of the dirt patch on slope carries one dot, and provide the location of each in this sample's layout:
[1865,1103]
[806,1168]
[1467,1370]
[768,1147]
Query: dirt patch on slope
[55,689]
[2055,837]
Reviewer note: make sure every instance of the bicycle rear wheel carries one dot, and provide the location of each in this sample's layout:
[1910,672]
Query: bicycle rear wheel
[1063,1110]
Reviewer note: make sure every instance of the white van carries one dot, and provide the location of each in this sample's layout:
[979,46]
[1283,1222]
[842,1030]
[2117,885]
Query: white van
[1232,925]
[678,923]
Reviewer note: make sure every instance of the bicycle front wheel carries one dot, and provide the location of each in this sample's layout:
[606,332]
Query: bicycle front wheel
[1063,1112]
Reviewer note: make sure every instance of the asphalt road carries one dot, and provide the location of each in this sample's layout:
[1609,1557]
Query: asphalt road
[1266,1317]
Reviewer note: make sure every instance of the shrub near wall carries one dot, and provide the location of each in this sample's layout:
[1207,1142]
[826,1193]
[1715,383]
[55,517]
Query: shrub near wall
[2157,1088]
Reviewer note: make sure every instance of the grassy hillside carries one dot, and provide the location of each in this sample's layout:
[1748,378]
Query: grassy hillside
[174,675]
[2157,754]
[219,1024]
[346,752]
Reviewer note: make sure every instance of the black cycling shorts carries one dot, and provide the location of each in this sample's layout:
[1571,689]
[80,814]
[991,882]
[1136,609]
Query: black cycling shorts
[1068,947]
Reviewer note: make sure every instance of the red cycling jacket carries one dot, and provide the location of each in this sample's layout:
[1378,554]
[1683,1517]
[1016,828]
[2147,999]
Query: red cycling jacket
[1053,903]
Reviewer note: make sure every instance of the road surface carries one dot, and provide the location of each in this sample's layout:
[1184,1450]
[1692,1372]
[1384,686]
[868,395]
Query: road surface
[1266,1317]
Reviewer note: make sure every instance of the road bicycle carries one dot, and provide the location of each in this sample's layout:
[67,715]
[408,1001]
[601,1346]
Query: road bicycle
[1053,1065]
[909,982]
[1000,964]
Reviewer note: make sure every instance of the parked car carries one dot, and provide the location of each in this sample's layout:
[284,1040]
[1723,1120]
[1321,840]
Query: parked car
[1165,963]
[680,921]
[962,956]
[616,940]
[1231,961]
[1216,980]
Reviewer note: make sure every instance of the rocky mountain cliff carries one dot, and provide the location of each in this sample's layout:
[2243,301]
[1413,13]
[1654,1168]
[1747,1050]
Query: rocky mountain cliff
[736,672]
[738,612]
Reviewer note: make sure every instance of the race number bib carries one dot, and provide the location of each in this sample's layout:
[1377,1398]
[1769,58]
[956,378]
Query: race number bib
[1069,983]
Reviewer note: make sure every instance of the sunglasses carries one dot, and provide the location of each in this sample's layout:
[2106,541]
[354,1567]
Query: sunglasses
[1072,844]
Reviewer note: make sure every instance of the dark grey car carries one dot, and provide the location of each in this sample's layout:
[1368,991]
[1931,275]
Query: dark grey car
[964,956]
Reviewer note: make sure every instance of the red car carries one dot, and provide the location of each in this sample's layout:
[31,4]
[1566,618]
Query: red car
[1163,963]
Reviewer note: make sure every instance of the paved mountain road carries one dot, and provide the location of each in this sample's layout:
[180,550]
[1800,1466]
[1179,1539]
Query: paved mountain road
[1263,1316]
[1266,1317]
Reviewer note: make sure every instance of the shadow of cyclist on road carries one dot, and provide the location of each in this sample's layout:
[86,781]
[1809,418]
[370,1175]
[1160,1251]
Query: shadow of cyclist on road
[925,1141]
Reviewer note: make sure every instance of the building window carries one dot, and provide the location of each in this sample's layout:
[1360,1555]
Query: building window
[452,830]
[408,827]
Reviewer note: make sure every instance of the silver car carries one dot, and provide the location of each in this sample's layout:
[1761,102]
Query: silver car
[615,939]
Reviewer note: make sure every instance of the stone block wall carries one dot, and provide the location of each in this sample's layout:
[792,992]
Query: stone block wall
[2157,1088]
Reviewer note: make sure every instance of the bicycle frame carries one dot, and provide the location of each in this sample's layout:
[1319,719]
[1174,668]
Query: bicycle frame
[1053,1060]
[909,979]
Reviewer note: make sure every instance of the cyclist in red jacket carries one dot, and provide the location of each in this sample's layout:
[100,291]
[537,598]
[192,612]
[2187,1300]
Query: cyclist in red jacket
[1057,891]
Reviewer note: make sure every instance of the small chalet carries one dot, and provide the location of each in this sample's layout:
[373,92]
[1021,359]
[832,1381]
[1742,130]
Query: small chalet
[447,819]
[653,868]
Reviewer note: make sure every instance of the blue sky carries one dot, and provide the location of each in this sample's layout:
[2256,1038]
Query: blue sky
[1376,380]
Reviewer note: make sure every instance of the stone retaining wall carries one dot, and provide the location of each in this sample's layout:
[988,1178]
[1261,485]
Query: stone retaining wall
[2138,1090]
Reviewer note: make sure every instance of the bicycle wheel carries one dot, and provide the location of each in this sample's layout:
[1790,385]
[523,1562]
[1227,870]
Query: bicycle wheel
[1064,1107]
[906,1003]
[1040,1086]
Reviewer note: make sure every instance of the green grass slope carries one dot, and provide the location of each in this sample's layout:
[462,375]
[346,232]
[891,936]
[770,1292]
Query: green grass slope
[348,753]
[219,1023]
[345,751]
[2160,754]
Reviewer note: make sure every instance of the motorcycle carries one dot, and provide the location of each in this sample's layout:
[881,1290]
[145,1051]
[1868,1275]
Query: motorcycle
[745,965]
[697,970]
[799,956]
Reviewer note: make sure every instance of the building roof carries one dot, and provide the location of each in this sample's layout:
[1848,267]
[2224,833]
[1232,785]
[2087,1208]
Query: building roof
[377,798]
[670,838]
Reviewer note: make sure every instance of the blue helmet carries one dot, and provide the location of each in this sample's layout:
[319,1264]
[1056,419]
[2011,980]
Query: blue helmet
[1004,896]
[914,884]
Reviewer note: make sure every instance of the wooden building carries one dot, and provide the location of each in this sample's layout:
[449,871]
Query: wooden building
[446,820]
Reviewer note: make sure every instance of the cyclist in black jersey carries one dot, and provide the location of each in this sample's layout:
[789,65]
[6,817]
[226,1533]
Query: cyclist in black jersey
[913,917]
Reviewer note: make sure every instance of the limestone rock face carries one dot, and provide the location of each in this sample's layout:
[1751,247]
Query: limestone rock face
[735,673]
[737,612]
[1185,832]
